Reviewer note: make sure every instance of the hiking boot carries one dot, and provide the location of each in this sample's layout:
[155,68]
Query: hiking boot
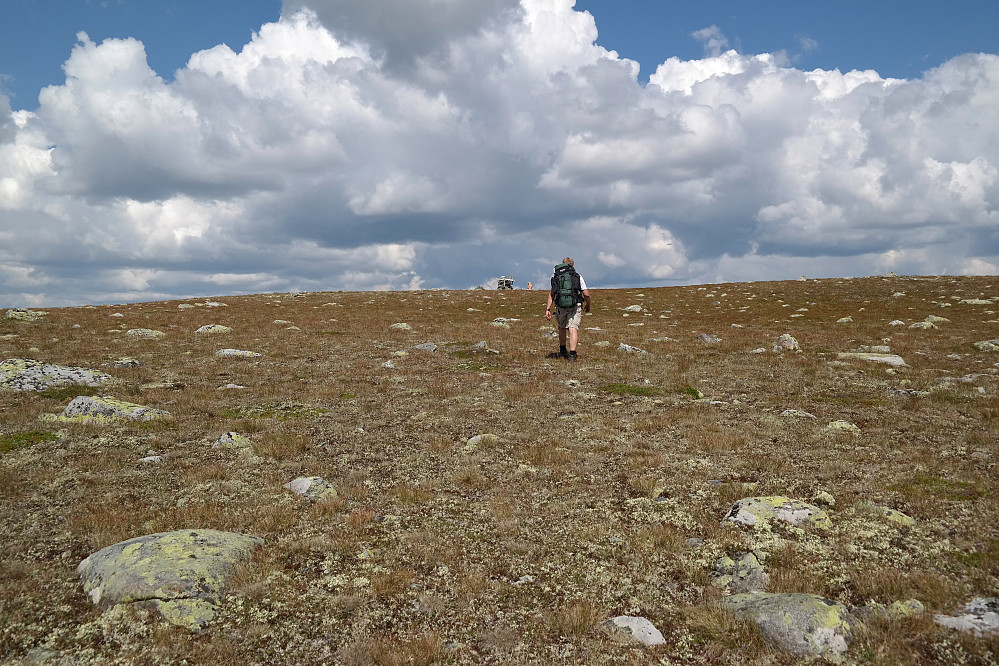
[572,357]
[563,353]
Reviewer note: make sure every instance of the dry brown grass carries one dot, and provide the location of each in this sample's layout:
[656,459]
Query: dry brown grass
[512,551]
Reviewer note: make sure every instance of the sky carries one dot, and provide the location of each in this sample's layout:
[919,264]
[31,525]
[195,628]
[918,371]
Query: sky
[177,149]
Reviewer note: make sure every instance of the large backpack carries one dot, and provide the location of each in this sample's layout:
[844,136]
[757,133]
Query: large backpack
[567,291]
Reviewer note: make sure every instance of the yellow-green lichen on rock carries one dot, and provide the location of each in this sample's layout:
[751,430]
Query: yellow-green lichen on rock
[105,409]
[182,574]
[801,624]
[21,314]
[758,511]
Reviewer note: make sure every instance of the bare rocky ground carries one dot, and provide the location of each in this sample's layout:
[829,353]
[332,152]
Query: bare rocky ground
[601,495]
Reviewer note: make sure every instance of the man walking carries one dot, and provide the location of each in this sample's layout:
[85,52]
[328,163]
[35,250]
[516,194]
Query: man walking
[570,298]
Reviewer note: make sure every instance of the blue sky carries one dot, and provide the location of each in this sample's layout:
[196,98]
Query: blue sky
[183,148]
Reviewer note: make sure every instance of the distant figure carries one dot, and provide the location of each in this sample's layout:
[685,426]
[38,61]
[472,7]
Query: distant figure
[568,294]
[530,287]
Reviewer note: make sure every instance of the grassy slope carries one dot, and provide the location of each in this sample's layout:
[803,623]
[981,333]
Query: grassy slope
[511,551]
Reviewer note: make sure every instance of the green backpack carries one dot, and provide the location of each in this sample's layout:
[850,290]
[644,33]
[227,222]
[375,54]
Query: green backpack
[566,291]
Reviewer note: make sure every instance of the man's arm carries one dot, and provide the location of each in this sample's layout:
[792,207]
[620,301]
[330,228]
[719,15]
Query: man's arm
[548,307]
[586,300]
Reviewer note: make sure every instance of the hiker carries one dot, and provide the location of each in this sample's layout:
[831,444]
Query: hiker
[530,287]
[569,295]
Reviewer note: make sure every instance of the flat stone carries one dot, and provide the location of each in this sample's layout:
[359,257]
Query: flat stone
[25,374]
[979,616]
[629,628]
[237,353]
[181,574]
[893,360]
[213,328]
[101,410]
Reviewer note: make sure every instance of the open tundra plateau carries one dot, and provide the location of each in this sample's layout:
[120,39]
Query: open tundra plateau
[744,473]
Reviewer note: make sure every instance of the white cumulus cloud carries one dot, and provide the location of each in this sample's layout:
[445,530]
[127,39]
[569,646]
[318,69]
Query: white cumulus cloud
[390,144]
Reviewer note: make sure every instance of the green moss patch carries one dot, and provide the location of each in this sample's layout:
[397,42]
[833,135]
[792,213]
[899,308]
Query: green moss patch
[23,440]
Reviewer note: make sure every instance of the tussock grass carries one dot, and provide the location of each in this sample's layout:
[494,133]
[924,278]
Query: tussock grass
[598,500]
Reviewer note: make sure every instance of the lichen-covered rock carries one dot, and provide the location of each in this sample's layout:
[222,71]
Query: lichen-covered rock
[21,314]
[105,409]
[628,628]
[182,574]
[740,573]
[237,353]
[145,333]
[801,624]
[708,339]
[988,345]
[979,616]
[753,511]
[893,360]
[312,488]
[628,349]
[214,328]
[401,326]
[786,342]
[842,428]
[25,374]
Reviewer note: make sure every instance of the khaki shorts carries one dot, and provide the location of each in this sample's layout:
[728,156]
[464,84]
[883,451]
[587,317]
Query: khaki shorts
[569,317]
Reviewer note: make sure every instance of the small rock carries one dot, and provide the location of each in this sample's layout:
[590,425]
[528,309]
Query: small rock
[237,353]
[213,328]
[842,427]
[786,342]
[631,350]
[636,629]
[845,320]
[740,574]
[312,488]
[426,346]
[979,616]
[709,339]
[890,359]
[633,308]
[401,326]
[145,333]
